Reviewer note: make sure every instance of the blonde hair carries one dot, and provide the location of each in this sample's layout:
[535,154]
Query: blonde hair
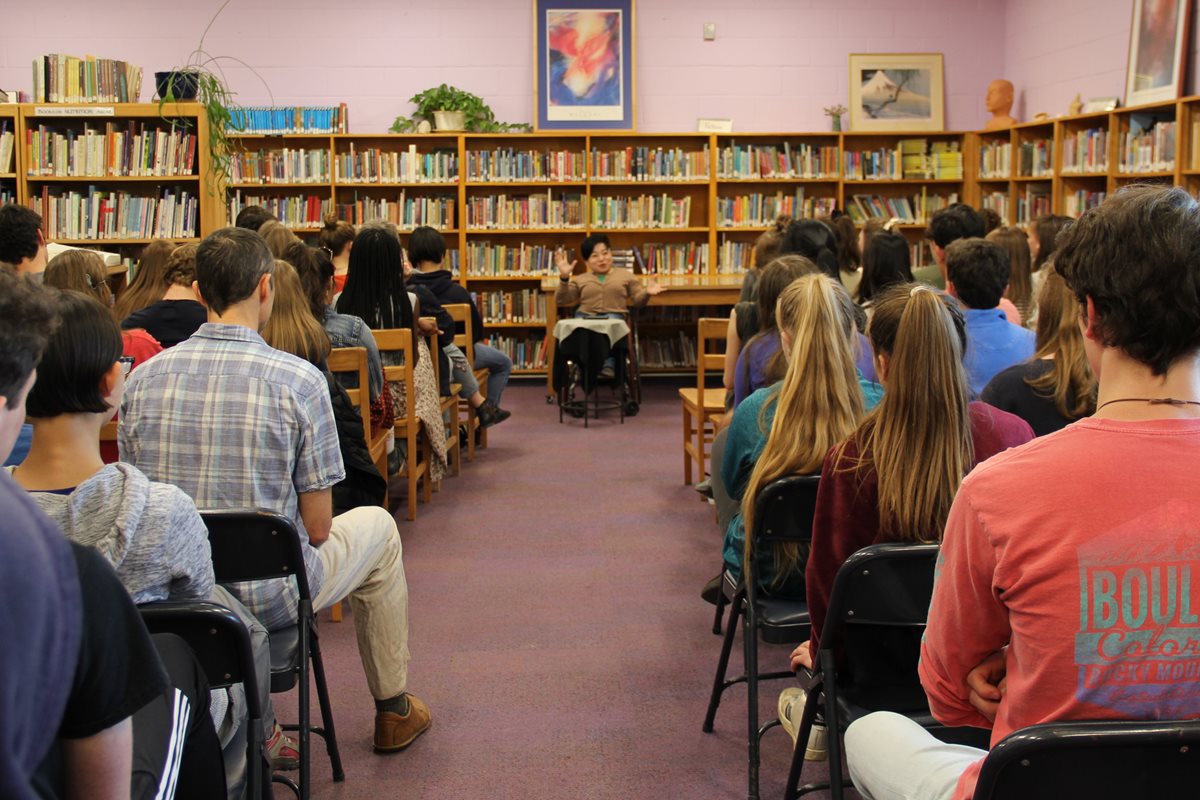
[818,404]
[1020,285]
[277,236]
[292,327]
[918,439]
[80,271]
[150,282]
[1070,382]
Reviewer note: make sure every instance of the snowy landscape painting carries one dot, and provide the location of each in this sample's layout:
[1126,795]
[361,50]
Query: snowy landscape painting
[896,92]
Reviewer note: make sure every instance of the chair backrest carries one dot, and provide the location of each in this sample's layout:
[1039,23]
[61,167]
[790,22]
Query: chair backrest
[874,624]
[710,351]
[399,342]
[354,359]
[216,636]
[253,545]
[464,338]
[1097,760]
[783,512]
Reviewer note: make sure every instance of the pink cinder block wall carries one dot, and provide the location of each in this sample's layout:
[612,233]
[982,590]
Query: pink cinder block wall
[773,66]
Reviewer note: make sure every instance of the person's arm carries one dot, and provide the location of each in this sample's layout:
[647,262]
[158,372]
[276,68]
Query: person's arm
[967,621]
[99,767]
[316,510]
[374,364]
[733,346]
[568,291]
[185,548]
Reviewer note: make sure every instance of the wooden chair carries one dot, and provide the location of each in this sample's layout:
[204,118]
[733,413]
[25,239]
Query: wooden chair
[400,341]
[465,339]
[703,406]
[354,360]
[448,406]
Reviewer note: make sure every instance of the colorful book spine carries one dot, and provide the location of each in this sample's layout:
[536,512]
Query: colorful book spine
[298,211]
[275,120]
[512,165]
[95,213]
[638,163]
[540,211]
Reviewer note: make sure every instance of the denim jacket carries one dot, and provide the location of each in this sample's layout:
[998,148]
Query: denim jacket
[347,330]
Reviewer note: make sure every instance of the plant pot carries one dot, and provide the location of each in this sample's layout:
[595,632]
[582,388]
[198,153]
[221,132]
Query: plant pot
[182,85]
[450,120]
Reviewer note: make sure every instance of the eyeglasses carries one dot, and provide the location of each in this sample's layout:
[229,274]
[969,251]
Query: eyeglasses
[126,363]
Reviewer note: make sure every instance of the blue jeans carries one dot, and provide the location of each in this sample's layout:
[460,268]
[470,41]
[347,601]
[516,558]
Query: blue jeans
[460,372]
[499,367]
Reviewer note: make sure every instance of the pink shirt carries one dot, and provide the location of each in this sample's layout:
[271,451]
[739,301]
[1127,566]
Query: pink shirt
[1081,552]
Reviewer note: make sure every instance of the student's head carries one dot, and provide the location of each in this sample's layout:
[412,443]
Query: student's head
[149,282]
[28,316]
[886,261]
[849,255]
[21,240]
[770,242]
[815,241]
[319,283]
[1043,237]
[234,266]
[81,372]
[374,287]
[1015,243]
[1069,380]
[292,327]
[426,246]
[252,218]
[80,271]
[991,220]
[277,236]
[957,221]
[869,228]
[776,277]
[597,253]
[819,402]
[336,236]
[1134,265]
[977,272]
[180,269]
[918,439]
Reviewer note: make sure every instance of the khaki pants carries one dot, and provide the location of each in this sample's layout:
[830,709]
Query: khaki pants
[363,562]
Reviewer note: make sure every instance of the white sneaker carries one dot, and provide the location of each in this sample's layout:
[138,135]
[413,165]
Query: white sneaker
[791,709]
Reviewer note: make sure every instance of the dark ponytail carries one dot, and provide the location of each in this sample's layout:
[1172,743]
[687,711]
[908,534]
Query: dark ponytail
[815,241]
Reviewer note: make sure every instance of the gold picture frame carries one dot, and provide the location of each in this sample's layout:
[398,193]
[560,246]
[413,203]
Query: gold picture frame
[897,92]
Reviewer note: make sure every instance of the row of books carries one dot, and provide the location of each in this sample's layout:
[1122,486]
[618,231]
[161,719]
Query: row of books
[1080,201]
[374,165]
[99,214]
[734,257]
[404,212]
[748,162]
[650,164]
[511,164]
[995,160]
[1034,203]
[674,258]
[526,352]
[486,259]
[912,211]
[1085,152]
[909,159]
[8,194]
[71,79]
[1037,159]
[131,149]
[675,352]
[279,166]
[1149,150]
[507,212]
[759,210]
[294,211]
[644,211]
[7,139]
[289,119]
[996,201]
[526,305]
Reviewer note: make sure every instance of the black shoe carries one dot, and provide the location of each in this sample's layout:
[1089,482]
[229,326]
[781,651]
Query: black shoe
[607,373]
[711,592]
[490,415]
[463,433]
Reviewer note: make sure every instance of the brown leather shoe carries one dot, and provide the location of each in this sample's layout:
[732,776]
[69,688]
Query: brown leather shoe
[395,732]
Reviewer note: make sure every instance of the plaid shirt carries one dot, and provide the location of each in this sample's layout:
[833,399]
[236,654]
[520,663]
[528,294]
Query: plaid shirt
[236,424]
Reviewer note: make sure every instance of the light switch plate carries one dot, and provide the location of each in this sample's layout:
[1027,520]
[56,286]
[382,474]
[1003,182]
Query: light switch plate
[710,31]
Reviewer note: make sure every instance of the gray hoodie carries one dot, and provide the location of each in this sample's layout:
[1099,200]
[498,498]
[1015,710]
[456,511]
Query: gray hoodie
[150,532]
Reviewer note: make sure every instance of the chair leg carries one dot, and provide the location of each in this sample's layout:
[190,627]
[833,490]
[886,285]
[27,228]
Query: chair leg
[700,462]
[833,725]
[750,646]
[721,603]
[687,441]
[812,702]
[327,731]
[304,734]
[413,473]
[719,682]
[335,612]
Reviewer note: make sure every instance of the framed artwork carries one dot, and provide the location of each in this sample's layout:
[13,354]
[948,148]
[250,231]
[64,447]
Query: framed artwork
[897,92]
[583,61]
[1158,43]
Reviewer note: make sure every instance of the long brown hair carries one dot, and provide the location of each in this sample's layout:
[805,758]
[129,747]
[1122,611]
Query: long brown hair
[1020,285]
[819,402]
[277,236]
[292,328]
[774,278]
[1047,228]
[150,282]
[80,271]
[918,439]
[770,242]
[1070,382]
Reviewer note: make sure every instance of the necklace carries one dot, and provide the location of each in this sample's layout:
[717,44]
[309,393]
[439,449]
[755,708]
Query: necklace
[1154,401]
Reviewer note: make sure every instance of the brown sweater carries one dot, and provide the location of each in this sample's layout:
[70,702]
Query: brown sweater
[619,290]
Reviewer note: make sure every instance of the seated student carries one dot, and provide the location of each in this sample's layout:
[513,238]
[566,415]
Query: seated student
[22,243]
[976,274]
[886,262]
[787,427]
[894,478]
[277,236]
[149,282]
[991,220]
[1056,386]
[337,240]
[276,447]
[601,290]
[743,319]
[1020,283]
[252,218]
[814,240]
[177,314]
[1043,239]
[426,249]
[947,226]
[849,250]
[1026,608]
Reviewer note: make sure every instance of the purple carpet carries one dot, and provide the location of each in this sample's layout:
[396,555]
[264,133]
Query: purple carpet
[557,631]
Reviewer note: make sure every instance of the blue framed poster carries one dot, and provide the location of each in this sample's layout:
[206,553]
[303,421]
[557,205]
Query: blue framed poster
[583,60]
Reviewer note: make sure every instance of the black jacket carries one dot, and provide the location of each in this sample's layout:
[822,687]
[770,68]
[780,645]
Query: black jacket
[446,290]
[363,485]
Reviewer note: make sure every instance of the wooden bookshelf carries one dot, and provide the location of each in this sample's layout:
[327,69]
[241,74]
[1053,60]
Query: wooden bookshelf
[10,145]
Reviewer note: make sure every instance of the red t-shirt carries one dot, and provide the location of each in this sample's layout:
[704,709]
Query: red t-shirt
[1081,552]
[339,282]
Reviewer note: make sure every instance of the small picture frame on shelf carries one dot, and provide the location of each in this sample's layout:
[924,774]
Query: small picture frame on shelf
[1158,46]
[583,61]
[1100,104]
[897,92]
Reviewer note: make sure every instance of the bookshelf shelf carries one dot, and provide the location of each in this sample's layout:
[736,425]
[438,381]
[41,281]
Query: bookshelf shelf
[539,324]
[279,185]
[530,184]
[786,181]
[525,231]
[110,178]
[8,176]
[1136,175]
[596,182]
[1032,178]
[505,278]
[904,182]
[93,242]
[599,229]
[343,184]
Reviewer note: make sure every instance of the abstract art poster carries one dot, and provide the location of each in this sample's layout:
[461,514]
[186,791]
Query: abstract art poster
[584,65]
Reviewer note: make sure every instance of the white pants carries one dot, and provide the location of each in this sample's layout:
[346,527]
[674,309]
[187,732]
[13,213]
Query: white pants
[363,561]
[893,758]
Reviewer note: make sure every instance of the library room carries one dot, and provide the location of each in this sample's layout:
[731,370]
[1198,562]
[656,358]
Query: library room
[678,398]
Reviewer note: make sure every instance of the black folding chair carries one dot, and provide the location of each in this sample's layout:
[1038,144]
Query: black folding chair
[783,513]
[1096,760]
[261,545]
[221,645]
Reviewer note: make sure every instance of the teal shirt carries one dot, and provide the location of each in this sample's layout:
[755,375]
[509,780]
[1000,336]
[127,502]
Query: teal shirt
[743,445]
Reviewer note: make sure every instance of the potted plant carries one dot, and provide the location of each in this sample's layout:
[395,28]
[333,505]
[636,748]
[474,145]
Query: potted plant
[451,109]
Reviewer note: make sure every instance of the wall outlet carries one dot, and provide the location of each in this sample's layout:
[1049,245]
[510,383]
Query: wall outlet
[710,31]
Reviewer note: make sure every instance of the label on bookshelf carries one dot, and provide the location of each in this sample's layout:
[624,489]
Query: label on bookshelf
[909,159]
[650,164]
[513,165]
[375,165]
[403,211]
[644,211]
[98,214]
[519,212]
[130,149]
[284,165]
[748,162]
[294,211]
[759,210]
[74,111]
[914,210]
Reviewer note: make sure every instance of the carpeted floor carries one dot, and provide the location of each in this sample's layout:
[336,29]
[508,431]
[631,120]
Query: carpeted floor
[557,632]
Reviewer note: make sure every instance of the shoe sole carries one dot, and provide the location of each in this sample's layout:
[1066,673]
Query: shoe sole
[785,722]
[396,748]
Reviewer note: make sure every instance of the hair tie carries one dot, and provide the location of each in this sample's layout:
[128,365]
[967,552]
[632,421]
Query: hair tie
[920,287]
